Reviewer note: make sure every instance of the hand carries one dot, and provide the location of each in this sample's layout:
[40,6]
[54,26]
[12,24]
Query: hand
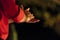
[30,17]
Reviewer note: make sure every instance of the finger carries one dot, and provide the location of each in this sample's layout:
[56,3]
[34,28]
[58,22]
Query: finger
[33,21]
[30,15]
[27,9]
[37,20]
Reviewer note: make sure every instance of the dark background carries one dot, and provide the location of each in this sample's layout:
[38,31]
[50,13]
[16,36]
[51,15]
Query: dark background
[33,31]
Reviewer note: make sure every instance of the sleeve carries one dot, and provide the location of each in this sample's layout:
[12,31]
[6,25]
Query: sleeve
[10,10]
[20,16]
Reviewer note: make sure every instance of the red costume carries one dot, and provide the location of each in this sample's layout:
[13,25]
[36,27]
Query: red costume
[8,9]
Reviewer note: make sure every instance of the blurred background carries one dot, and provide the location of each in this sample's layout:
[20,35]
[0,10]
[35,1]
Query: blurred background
[48,11]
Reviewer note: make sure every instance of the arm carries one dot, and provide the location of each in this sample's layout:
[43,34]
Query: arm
[27,17]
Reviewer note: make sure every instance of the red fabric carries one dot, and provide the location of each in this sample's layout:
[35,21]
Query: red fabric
[9,10]
[20,16]
[3,26]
